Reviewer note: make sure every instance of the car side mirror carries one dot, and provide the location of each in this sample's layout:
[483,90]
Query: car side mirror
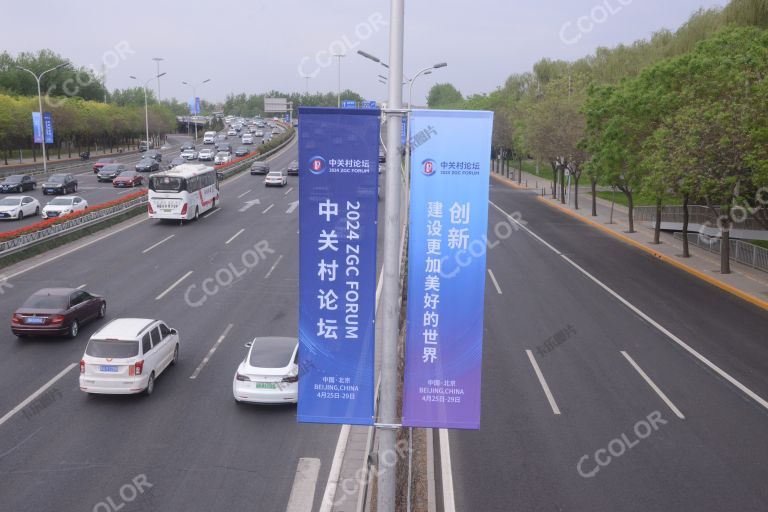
[174,332]
[249,344]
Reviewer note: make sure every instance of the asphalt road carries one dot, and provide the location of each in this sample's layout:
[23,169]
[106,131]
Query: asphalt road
[96,192]
[526,456]
[199,450]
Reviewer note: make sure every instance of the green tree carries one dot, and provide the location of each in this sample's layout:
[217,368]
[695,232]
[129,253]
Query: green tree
[443,96]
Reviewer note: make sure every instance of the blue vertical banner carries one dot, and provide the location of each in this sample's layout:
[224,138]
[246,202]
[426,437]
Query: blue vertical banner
[448,227]
[37,127]
[48,127]
[197,105]
[338,205]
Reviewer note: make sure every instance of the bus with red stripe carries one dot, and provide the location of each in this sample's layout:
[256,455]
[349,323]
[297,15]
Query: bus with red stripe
[183,193]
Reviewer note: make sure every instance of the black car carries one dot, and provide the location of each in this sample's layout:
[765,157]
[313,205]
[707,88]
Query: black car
[57,311]
[156,155]
[187,147]
[259,168]
[60,184]
[111,171]
[224,146]
[293,168]
[177,161]
[241,151]
[17,183]
[148,165]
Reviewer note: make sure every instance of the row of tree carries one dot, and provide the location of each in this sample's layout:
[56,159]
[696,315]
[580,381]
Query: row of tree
[681,113]
[253,104]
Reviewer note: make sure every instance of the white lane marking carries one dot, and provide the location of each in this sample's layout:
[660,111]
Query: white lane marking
[245,193]
[37,393]
[145,251]
[210,352]
[273,267]
[543,382]
[81,286]
[449,504]
[268,208]
[722,373]
[174,285]
[292,207]
[66,253]
[248,205]
[211,212]
[288,191]
[234,236]
[654,386]
[495,282]
[335,472]
[302,497]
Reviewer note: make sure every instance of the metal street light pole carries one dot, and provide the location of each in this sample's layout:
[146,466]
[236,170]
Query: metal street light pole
[146,107]
[40,103]
[425,71]
[338,97]
[387,427]
[194,99]
[306,77]
[158,59]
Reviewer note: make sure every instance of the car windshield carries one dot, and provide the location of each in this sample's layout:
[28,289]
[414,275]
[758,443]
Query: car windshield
[46,301]
[58,178]
[10,201]
[110,168]
[166,184]
[275,174]
[13,179]
[271,353]
[259,165]
[128,174]
[146,161]
[61,201]
[113,349]
[222,154]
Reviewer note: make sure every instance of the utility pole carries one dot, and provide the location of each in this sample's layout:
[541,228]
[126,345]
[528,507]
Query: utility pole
[338,96]
[386,425]
[158,59]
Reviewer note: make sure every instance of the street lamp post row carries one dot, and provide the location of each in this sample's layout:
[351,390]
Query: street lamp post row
[40,102]
[146,108]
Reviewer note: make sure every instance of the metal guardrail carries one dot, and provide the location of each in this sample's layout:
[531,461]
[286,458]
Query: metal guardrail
[740,251]
[697,215]
[28,240]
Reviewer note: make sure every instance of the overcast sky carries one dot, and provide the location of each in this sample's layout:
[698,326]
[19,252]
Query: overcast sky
[255,45]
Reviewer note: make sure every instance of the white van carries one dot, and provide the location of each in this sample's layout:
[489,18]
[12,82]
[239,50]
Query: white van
[209,138]
[126,356]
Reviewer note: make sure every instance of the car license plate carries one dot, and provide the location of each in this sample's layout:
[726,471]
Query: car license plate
[109,368]
[34,320]
[266,385]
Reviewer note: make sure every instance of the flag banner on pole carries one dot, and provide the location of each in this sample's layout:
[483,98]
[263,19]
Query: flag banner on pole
[446,267]
[48,127]
[338,205]
[37,127]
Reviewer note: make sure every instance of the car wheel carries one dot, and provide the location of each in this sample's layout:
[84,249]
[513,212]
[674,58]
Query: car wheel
[74,328]
[150,384]
[20,216]
[34,186]
[74,189]
[19,189]
[103,310]
[197,213]
[37,210]
[175,355]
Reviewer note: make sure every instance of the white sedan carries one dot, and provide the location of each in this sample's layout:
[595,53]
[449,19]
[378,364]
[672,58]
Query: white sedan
[64,205]
[222,157]
[276,178]
[270,372]
[18,207]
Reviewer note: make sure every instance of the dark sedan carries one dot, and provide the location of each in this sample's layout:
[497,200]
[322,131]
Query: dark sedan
[241,151]
[128,179]
[155,155]
[293,168]
[17,183]
[60,184]
[148,165]
[111,171]
[259,168]
[57,311]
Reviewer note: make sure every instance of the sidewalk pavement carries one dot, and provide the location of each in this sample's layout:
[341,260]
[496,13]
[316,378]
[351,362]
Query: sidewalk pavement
[745,282]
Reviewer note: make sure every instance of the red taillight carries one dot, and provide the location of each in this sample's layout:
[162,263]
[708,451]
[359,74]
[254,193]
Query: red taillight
[149,208]
[291,378]
[82,366]
[184,209]
[17,319]
[139,367]
[243,378]
[57,319]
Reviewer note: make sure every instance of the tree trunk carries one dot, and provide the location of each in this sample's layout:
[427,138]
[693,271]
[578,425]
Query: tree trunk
[34,153]
[520,170]
[657,225]
[554,181]
[725,245]
[686,252]
[576,192]
[562,184]
[593,185]
[631,206]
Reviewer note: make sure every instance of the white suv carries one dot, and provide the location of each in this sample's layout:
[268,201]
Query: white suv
[126,356]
